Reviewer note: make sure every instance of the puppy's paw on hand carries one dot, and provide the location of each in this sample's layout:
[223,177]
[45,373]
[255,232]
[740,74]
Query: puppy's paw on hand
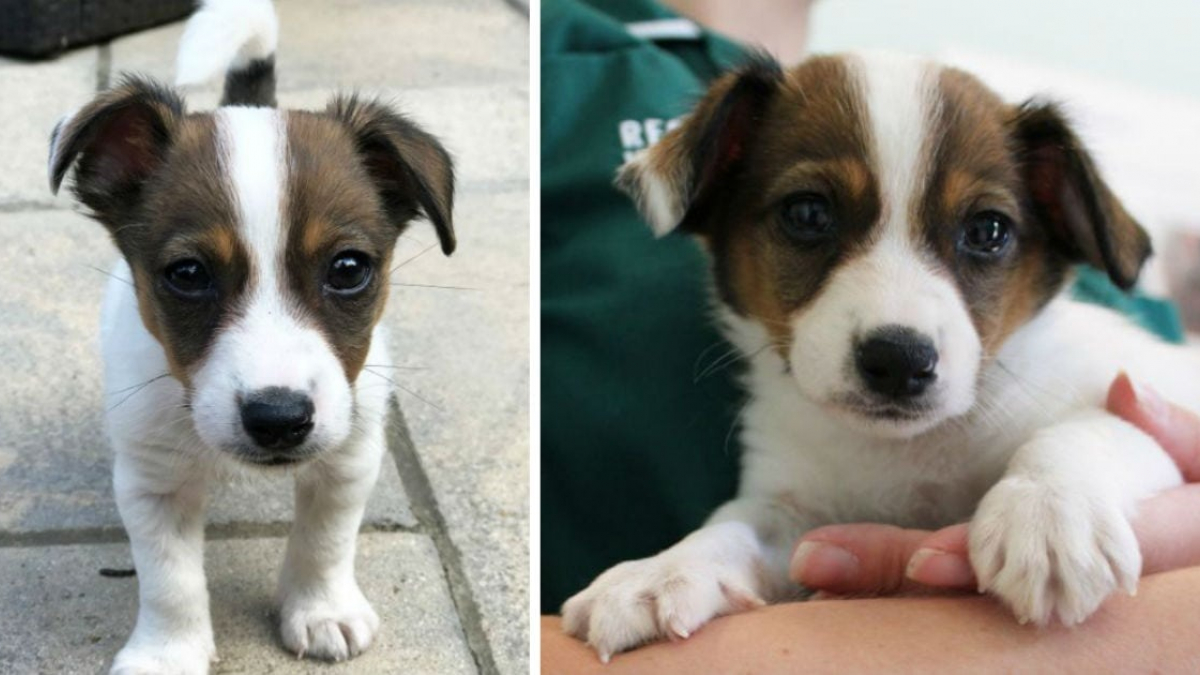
[669,595]
[164,657]
[334,624]
[1047,551]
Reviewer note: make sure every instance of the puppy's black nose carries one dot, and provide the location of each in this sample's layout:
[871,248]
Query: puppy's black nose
[277,418]
[897,362]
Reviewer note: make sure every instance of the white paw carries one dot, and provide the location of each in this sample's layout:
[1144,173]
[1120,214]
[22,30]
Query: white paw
[153,656]
[332,622]
[668,595]
[1049,550]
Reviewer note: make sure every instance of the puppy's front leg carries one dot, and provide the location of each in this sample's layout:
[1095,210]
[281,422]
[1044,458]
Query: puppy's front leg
[1053,537]
[727,566]
[324,614]
[162,506]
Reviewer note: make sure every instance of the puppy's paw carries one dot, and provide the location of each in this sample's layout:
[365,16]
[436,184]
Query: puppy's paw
[330,623]
[150,656]
[670,595]
[1052,551]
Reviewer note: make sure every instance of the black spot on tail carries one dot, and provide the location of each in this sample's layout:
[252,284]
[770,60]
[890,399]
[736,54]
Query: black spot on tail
[252,85]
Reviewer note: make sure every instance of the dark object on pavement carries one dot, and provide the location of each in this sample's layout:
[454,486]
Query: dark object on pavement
[43,28]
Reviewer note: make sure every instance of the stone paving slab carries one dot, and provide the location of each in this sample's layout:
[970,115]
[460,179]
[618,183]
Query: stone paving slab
[475,445]
[370,43]
[54,461]
[72,620]
[484,127]
[36,96]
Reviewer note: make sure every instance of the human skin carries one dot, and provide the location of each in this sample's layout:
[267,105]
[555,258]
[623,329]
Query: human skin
[1154,632]
[933,622]
[778,26]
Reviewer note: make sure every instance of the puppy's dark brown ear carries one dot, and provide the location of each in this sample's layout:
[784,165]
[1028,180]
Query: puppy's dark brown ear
[116,142]
[412,171]
[671,181]
[1068,196]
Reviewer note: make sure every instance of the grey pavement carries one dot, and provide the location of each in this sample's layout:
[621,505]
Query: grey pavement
[444,555]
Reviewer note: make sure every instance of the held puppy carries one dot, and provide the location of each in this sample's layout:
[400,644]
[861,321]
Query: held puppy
[890,243]
[256,245]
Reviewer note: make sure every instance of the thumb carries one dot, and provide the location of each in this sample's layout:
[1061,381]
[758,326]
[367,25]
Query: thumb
[1177,430]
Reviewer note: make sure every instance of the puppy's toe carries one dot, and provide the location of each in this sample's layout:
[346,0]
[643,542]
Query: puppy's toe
[1050,552]
[329,630]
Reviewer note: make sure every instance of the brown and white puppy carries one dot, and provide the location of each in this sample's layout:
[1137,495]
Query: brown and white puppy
[241,327]
[890,243]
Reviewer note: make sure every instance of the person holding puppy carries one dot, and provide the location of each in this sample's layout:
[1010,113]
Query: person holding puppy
[859,560]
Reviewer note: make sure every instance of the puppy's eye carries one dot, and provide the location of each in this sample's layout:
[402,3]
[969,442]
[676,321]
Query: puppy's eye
[808,218]
[987,233]
[188,278]
[349,273]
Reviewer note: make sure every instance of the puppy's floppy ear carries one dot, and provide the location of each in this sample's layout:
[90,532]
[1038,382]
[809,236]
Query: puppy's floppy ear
[1068,196]
[115,142]
[412,171]
[671,182]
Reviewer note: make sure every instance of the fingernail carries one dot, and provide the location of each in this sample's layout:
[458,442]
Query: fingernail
[818,564]
[1146,398]
[938,568]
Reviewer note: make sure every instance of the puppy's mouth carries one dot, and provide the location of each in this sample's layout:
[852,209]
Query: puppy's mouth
[875,410]
[267,459]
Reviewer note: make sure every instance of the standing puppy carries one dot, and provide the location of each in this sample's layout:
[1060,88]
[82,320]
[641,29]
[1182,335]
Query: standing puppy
[256,245]
[890,243]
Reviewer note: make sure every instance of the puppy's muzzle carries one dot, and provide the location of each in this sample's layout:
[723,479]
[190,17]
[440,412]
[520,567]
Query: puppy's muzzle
[277,418]
[897,363]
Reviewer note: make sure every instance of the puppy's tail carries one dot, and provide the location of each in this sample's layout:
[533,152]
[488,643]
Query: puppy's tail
[237,37]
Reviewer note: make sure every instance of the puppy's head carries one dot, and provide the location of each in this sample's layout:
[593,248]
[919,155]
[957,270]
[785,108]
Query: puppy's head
[884,224]
[259,242]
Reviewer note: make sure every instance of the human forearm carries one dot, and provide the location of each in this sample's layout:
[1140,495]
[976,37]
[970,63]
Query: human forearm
[1154,631]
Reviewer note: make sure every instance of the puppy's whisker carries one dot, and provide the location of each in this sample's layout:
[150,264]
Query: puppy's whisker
[394,367]
[112,276]
[436,286]
[139,384]
[406,261]
[406,390]
[729,358]
[137,389]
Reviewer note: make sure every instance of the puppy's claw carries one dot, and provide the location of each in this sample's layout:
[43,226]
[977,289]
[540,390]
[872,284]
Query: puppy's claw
[741,598]
[605,657]
[677,629]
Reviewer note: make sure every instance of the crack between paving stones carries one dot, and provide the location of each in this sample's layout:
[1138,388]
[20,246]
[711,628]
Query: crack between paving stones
[19,207]
[220,532]
[104,66]
[424,506]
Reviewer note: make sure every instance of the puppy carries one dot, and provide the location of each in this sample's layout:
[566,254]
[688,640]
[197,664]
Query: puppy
[890,243]
[256,245]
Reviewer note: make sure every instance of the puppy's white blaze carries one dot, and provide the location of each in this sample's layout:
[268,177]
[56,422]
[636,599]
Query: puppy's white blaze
[894,283]
[898,92]
[270,344]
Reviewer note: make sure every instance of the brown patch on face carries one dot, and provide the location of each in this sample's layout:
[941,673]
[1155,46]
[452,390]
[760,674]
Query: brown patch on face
[333,208]
[188,214]
[811,139]
[151,174]
[974,169]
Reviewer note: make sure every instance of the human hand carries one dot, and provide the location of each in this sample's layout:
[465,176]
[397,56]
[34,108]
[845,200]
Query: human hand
[870,558]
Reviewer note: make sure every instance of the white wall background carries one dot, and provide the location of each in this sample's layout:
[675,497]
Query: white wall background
[1153,44]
